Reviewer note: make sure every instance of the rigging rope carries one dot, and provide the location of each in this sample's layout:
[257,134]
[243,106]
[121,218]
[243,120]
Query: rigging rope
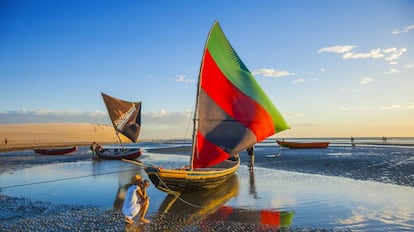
[168,190]
[69,178]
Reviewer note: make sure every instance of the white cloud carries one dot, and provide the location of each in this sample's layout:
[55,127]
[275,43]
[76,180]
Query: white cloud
[374,53]
[392,71]
[404,30]
[392,107]
[44,116]
[389,54]
[365,80]
[337,49]
[362,108]
[161,117]
[398,107]
[298,81]
[395,54]
[409,66]
[183,79]
[395,107]
[322,70]
[271,73]
[293,115]
[165,117]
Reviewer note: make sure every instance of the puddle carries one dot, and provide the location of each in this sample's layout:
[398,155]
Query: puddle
[301,200]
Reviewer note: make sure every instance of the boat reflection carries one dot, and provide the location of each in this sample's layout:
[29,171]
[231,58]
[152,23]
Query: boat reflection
[192,207]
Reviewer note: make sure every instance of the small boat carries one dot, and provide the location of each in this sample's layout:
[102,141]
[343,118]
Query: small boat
[232,113]
[119,153]
[299,145]
[55,151]
[126,119]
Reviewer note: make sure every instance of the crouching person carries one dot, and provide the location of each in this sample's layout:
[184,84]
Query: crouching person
[136,200]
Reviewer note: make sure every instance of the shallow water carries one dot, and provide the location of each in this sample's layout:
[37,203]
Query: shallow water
[306,200]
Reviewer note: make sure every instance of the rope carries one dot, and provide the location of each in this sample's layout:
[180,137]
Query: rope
[166,189]
[175,193]
[69,178]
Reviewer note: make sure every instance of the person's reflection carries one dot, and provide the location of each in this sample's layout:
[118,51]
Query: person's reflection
[252,189]
[120,196]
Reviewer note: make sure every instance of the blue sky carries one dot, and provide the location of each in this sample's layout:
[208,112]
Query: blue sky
[333,68]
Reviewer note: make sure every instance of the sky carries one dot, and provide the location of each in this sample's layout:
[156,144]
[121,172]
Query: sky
[332,68]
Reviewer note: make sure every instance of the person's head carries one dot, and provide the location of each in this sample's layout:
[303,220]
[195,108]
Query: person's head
[146,183]
[136,179]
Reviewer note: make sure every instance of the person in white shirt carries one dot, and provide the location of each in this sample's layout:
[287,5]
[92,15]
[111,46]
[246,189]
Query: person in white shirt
[136,200]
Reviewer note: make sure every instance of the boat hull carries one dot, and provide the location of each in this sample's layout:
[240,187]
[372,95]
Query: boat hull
[178,180]
[297,145]
[119,154]
[55,151]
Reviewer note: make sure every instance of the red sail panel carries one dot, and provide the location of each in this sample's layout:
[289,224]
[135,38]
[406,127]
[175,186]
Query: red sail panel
[205,147]
[235,103]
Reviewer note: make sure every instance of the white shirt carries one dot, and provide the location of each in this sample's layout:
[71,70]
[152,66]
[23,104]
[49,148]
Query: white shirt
[131,204]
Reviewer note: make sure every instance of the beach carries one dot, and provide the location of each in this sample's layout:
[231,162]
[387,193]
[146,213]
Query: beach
[28,136]
[384,170]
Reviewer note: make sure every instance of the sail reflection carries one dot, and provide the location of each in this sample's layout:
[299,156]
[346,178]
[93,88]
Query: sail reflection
[267,217]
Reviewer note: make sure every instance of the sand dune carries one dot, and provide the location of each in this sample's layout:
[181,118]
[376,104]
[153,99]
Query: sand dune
[27,136]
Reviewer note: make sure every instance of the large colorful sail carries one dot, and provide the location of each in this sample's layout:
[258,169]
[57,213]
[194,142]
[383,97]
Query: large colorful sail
[233,110]
[125,116]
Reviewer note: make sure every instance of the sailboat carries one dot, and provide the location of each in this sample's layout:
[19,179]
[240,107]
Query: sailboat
[232,113]
[126,119]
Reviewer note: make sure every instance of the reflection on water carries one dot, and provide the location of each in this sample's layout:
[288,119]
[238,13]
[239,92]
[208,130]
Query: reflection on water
[329,202]
[196,205]
[317,201]
[268,217]
[252,189]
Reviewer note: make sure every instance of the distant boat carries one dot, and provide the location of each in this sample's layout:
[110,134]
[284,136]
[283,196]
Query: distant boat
[119,153]
[302,144]
[232,113]
[126,119]
[55,151]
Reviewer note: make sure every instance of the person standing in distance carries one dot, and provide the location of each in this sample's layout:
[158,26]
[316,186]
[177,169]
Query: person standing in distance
[250,152]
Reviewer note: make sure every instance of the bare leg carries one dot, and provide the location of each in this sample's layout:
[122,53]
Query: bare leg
[143,212]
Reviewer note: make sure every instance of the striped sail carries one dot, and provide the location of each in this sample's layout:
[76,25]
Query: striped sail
[233,110]
[125,116]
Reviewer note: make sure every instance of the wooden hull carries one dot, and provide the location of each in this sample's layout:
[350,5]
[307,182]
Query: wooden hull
[118,153]
[177,180]
[55,151]
[297,145]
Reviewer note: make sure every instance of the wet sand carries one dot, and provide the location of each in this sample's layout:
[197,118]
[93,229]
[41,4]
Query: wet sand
[22,214]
